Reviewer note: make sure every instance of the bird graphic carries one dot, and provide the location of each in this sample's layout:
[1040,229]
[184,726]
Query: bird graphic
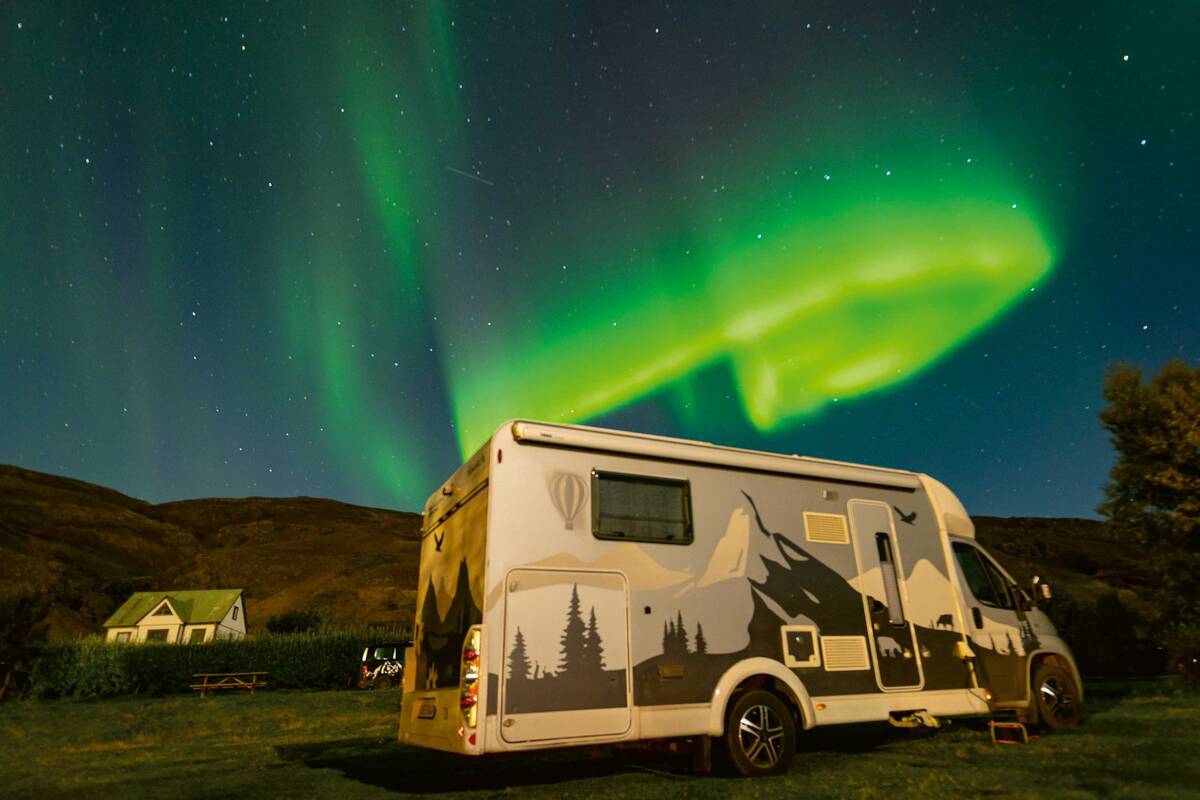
[906,518]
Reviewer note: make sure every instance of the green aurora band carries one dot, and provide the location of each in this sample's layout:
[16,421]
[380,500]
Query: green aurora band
[808,300]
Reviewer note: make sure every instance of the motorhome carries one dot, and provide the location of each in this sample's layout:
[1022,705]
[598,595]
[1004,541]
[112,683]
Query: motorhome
[586,586]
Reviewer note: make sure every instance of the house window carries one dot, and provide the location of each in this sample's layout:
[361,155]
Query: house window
[156,635]
[638,508]
[197,636]
[163,611]
[122,636]
[235,610]
[891,586]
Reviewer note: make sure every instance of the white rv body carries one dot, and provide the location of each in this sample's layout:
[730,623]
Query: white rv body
[585,586]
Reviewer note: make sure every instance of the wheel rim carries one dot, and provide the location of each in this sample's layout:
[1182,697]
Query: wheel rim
[1057,697]
[760,735]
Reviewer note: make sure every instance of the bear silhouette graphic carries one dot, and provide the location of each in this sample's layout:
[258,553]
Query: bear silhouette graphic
[888,646]
[945,621]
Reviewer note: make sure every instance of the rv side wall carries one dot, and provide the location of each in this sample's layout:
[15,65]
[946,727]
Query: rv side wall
[845,587]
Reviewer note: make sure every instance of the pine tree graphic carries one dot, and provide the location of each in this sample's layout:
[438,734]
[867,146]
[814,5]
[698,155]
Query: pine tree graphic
[683,637]
[593,647]
[518,660]
[573,640]
[701,643]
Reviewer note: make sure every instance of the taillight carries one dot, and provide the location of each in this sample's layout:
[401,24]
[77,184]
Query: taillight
[365,671]
[468,699]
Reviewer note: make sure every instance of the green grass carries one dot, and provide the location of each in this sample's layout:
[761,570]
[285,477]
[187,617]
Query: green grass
[1141,740]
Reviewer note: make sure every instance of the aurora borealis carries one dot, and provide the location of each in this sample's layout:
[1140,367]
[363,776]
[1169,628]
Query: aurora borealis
[287,249]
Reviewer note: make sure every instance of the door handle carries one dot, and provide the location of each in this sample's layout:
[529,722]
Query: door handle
[978,617]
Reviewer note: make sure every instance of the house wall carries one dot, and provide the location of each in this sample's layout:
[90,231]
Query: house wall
[171,622]
[209,629]
[111,633]
[233,625]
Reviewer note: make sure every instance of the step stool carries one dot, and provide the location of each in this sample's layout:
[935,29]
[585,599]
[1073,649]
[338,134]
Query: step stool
[1009,732]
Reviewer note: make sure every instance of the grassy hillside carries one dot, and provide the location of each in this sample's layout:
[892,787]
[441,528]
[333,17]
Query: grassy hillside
[1138,742]
[91,546]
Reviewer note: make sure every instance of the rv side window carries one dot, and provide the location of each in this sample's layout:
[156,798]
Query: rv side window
[891,587]
[637,508]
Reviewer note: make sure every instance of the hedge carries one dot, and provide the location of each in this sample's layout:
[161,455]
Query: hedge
[323,659]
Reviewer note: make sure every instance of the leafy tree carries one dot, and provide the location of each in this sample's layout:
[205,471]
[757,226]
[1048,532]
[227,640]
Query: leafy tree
[294,622]
[22,636]
[572,641]
[518,659]
[1154,489]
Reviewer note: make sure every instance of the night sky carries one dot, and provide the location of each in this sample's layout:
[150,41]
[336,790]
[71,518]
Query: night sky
[325,248]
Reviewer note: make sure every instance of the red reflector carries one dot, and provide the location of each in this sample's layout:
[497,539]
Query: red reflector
[471,738]
[467,700]
[470,654]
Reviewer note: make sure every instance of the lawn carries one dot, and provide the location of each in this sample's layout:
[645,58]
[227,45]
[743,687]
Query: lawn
[1140,741]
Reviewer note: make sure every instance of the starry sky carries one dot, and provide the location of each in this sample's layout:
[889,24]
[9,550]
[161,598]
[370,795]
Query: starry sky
[324,249]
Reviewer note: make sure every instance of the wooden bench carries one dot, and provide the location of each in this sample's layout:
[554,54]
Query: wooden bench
[215,681]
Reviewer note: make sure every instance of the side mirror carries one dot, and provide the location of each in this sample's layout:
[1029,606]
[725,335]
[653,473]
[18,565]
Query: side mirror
[1041,589]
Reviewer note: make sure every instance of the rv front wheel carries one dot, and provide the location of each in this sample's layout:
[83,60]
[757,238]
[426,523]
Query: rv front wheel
[1057,697]
[760,734]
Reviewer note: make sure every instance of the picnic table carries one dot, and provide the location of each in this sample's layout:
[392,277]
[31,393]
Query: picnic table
[205,682]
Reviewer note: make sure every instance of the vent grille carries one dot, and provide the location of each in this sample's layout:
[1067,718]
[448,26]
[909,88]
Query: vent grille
[828,528]
[844,653]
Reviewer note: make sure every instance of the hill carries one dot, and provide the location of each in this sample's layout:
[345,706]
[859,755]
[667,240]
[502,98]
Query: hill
[92,546]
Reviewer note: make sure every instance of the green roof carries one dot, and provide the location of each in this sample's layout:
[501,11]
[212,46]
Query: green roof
[203,605]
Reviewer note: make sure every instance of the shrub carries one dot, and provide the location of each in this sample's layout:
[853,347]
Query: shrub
[1107,636]
[324,659]
[294,622]
[22,636]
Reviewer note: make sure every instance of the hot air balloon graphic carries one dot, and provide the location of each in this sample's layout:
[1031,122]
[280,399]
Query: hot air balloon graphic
[568,492]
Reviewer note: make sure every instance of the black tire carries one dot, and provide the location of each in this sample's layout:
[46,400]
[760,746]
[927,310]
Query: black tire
[760,734]
[382,682]
[1056,697]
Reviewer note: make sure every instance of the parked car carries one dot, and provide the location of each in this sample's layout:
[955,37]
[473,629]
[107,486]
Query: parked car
[382,666]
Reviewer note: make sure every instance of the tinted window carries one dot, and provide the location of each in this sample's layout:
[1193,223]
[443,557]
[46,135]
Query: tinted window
[198,635]
[973,572]
[641,509]
[156,635]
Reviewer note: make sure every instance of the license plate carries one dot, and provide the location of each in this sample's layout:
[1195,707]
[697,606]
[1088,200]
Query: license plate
[427,711]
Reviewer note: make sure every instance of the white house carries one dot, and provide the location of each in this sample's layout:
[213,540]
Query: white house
[189,617]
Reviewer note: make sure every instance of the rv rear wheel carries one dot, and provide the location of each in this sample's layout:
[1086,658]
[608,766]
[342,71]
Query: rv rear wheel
[383,682]
[1056,696]
[760,734]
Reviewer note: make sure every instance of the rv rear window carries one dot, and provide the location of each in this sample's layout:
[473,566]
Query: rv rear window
[637,508]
